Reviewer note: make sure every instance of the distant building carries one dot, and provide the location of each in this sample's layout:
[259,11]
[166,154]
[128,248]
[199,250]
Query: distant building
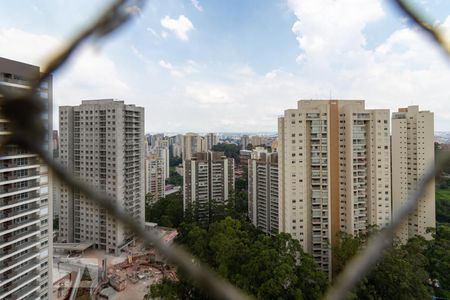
[274,145]
[193,143]
[334,172]
[154,177]
[26,223]
[211,140]
[208,180]
[244,156]
[257,140]
[412,154]
[102,143]
[244,142]
[162,150]
[263,190]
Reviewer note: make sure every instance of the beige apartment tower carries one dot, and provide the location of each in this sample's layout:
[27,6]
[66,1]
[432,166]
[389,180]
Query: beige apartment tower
[192,143]
[334,172]
[263,190]
[102,143]
[154,177]
[208,180]
[412,154]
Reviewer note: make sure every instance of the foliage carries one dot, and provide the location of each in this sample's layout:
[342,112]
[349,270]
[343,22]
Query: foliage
[230,150]
[401,274]
[263,266]
[174,178]
[175,161]
[55,223]
[167,212]
[442,204]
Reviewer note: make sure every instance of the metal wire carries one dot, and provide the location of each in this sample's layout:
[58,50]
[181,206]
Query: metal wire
[359,266]
[29,131]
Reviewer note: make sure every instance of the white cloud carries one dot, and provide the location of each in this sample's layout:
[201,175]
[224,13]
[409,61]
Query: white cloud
[88,75]
[188,68]
[180,26]
[404,69]
[197,5]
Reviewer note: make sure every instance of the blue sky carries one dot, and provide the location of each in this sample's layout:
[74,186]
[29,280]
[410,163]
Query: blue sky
[236,65]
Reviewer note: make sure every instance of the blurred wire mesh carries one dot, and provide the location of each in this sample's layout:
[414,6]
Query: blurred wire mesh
[29,131]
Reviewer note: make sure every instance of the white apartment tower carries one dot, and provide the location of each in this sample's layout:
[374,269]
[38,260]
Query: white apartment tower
[25,202]
[412,154]
[263,190]
[191,144]
[208,180]
[102,143]
[154,177]
[334,172]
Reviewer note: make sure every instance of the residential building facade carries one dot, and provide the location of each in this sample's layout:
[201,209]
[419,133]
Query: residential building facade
[334,172]
[211,140]
[26,221]
[245,140]
[102,143]
[263,190]
[208,180]
[412,154]
[154,177]
[191,144]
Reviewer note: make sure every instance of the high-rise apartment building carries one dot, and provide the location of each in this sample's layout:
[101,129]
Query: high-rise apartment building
[102,143]
[208,180]
[412,154]
[191,144]
[334,172]
[25,202]
[263,190]
[164,154]
[154,177]
[257,140]
[211,140]
[245,140]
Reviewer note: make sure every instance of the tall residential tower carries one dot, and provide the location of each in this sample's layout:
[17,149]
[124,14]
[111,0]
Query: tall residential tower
[412,154]
[263,190]
[334,172]
[25,202]
[102,143]
[208,180]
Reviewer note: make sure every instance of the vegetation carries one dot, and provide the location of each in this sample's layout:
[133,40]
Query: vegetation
[266,267]
[55,223]
[175,161]
[412,271]
[174,177]
[167,212]
[230,150]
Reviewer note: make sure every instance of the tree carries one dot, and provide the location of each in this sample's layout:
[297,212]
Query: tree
[264,266]
[230,150]
[166,212]
[174,178]
[400,274]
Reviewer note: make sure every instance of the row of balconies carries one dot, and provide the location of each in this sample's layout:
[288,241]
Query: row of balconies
[29,282]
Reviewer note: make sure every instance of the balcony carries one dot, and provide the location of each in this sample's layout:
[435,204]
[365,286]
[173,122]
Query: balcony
[11,214]
[10,239]
[12,289]
[15,248]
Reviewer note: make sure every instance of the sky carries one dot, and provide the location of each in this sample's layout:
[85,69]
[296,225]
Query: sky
[236,65]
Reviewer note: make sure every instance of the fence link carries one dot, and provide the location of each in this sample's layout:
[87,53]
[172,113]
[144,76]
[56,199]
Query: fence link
[28,132]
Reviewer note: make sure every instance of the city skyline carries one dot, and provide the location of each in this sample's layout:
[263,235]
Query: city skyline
[259,60]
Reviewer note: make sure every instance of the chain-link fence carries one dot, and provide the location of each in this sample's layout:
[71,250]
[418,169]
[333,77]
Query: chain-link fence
[28,132]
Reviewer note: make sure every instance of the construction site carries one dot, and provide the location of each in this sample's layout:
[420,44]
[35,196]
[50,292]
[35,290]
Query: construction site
[96,275]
